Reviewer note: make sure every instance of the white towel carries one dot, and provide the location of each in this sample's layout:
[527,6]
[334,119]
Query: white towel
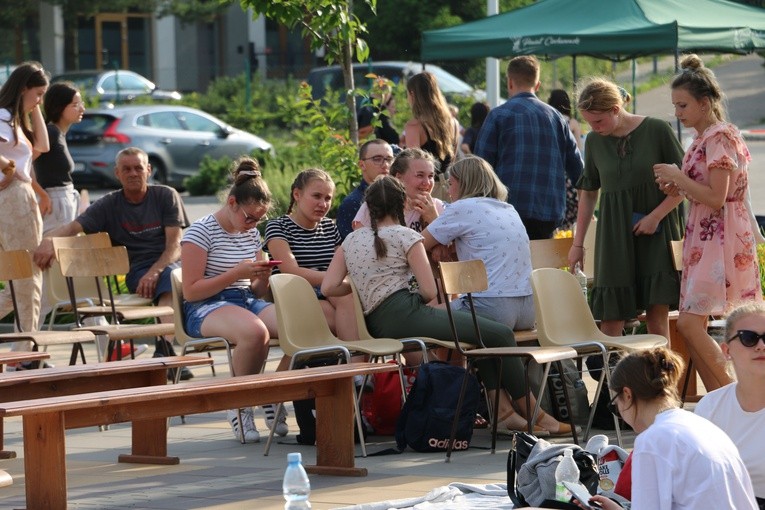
[455,496]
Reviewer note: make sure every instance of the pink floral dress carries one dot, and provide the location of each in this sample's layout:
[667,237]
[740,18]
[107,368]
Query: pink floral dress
[720,267]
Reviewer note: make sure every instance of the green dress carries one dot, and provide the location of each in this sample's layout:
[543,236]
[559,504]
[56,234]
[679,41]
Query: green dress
[631,272]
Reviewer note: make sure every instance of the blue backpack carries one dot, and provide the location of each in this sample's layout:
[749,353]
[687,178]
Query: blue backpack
[425,423]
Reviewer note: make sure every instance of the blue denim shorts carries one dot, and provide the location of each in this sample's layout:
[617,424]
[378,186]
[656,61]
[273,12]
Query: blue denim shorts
[195,312]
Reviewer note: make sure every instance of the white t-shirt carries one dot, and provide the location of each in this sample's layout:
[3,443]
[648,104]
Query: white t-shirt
[490,230]
[684,462]
[377,279]
[745,429]
[20,153]
[411,217]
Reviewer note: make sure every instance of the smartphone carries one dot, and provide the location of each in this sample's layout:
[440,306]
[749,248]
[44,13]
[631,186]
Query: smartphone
[274,262]
[581,494]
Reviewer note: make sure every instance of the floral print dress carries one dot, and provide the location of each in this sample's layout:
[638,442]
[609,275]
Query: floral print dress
[720,267]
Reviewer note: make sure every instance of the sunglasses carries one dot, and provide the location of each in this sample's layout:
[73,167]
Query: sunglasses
[611,406]
[747,338]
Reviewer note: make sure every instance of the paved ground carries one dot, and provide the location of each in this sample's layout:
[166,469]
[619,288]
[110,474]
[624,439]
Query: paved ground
[216,472]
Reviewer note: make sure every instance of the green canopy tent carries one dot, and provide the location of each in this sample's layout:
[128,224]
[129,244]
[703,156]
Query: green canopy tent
[610,29]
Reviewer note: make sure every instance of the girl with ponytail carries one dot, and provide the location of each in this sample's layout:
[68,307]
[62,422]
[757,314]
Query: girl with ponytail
[680,460]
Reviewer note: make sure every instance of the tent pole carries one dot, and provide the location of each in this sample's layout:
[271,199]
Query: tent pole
[634,87]
[677,68]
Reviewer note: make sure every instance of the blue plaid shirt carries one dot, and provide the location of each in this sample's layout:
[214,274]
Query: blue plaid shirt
[531,148]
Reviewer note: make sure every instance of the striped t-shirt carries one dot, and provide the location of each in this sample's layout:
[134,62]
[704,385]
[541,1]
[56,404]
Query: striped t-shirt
[224,249]
[312,248]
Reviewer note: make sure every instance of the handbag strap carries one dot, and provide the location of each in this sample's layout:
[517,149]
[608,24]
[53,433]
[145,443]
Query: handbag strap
[512,487]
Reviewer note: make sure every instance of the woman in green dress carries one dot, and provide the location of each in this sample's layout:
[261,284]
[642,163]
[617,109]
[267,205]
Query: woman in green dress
[633,262]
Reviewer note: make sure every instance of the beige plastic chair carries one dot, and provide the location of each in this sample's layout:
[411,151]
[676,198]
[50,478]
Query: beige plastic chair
[564,319]
[305,334]
[423,343]
[100,263]
[186,341]
[17,265]
[467,277]
[86,290]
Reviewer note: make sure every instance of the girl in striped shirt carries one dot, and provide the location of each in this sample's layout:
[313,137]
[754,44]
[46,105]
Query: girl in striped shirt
[224,276]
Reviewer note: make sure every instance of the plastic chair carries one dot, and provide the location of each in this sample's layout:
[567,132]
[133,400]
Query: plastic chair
[305,334]
[97,263]
[564,319]
[423,343]
[186,341]
[467,277]
[17,265]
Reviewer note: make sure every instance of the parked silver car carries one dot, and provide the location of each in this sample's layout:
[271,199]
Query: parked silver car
[119,86]
[176,138]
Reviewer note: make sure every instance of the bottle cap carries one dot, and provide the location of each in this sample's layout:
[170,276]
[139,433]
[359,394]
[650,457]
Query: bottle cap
[294,457]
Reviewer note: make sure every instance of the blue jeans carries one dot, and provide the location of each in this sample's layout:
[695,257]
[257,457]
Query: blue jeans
[195,312]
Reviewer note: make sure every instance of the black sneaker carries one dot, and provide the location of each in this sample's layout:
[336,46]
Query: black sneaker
[186,374]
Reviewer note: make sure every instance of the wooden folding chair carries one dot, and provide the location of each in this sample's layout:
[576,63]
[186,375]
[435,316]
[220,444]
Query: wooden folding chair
[16,265]
[465,278]
[98,263]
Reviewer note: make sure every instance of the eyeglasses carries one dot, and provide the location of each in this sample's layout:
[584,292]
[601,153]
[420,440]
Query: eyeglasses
[747,338]
[379,160]
[611,406]
[250,220]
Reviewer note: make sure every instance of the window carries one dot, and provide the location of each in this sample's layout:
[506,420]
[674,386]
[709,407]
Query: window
[195,122]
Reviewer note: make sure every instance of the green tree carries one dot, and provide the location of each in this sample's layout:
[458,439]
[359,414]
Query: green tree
[328,24]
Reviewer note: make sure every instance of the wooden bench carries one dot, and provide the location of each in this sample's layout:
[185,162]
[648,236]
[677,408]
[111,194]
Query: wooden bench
[45,420]
[30,385]
[12,357]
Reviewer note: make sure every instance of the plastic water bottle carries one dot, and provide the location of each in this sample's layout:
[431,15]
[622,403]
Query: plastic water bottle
[565,472]
[296,487]
[581,278]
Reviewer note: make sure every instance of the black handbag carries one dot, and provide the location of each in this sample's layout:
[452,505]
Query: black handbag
[523,444]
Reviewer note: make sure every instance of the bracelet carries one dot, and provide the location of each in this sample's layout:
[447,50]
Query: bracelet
[575,246]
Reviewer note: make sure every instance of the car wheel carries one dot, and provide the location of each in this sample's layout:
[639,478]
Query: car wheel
[159,173]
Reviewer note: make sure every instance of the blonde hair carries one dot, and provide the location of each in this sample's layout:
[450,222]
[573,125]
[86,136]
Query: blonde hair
[700,82]
[745,310]
[600,95]
[430,108]
[476,178]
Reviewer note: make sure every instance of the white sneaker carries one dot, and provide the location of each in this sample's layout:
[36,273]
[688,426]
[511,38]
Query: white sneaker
[281,423]
[251,434]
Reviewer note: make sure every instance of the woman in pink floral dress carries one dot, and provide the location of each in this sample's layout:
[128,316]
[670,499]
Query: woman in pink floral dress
[720,267]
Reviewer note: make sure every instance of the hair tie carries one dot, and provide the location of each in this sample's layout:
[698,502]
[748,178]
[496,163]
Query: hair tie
[250,173]
[623,92]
